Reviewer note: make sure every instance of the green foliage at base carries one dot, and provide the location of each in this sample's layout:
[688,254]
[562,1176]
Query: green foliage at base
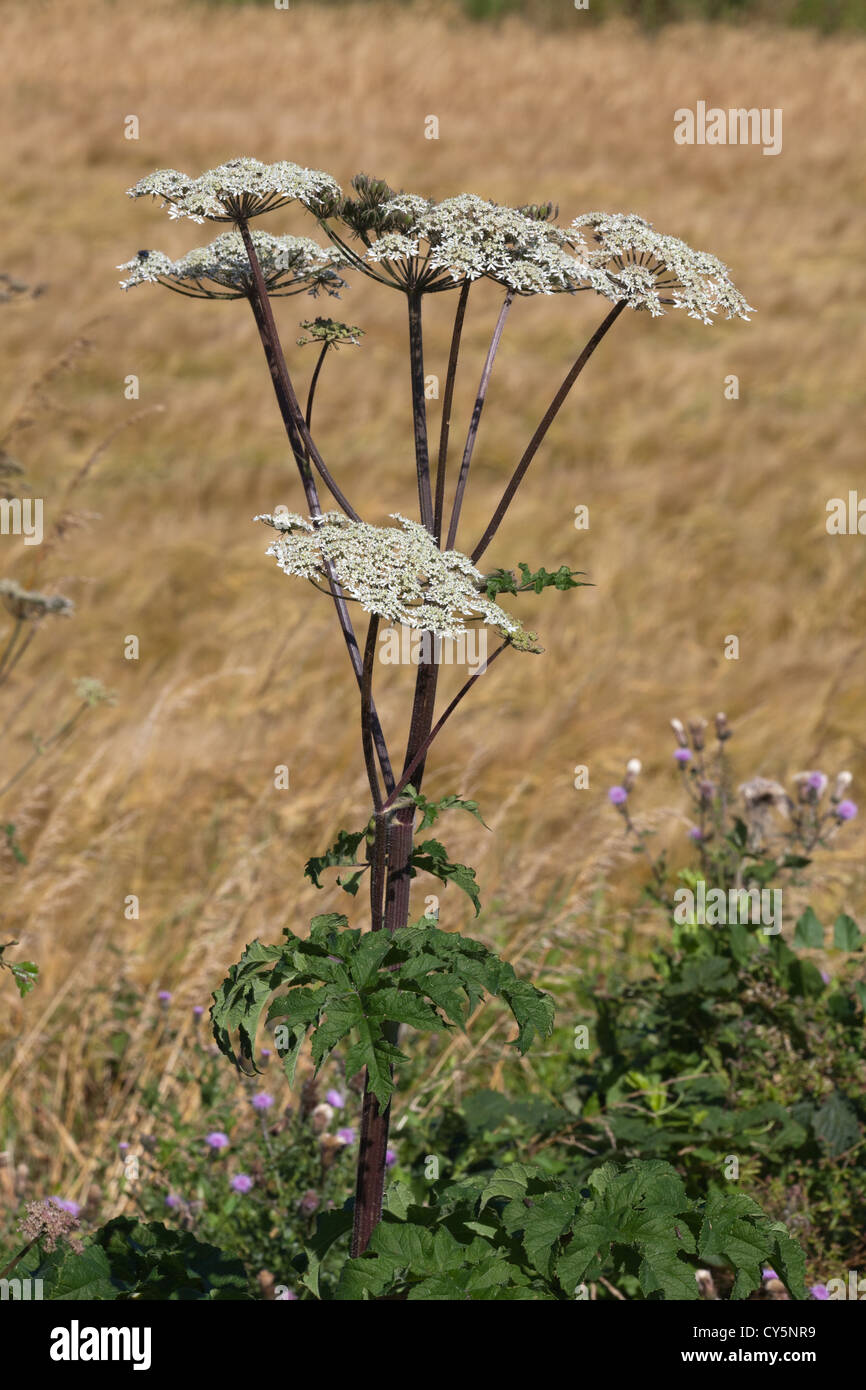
[143,1260]
[520,1235]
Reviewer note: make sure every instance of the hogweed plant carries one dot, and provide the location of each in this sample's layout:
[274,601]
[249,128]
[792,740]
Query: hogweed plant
[348,985]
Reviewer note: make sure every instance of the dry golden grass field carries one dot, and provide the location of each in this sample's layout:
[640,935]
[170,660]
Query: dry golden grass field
[707,515]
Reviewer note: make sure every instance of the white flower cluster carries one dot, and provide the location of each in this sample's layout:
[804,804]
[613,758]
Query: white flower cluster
[400,574]
[289,265]
[469,237]
[242,188]
[650,270]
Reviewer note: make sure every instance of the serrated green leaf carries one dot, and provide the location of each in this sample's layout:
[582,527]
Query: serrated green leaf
[342,1015]
[401,1006]
[366,959]
[373,1051]
[341,854]
[510,1181]
[808,932]
[846,934]
[432,857]
[836,1125]
[662,1271]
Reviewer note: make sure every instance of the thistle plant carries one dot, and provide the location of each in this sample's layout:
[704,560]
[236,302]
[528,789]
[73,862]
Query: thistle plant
[345,983]
[748,834]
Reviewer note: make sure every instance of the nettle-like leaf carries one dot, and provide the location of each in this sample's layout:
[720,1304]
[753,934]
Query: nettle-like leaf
[506,581]
[808,931]
[431,810]
[735,1229]
[522,1234]
[354,987]
[341,854]
[432,857]
[846,934]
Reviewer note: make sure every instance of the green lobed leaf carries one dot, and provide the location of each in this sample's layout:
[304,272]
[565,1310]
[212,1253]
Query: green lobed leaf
[341,854]
[846,933]
[808,932]
[432,857]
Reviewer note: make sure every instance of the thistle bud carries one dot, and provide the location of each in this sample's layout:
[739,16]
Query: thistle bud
[723,728]
[679,730]
[696,729]
[632,772]
[321,1117]
[843,782]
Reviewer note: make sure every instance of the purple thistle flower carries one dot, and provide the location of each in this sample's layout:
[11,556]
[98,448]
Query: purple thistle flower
[390,1158]
[346,1136]
[769,1274]
[817,781]
[217,1140]
[335,1099]
[173,1201]
[262,1101]
[198,1010]
[617,795]
[825,977]
[65,1205]
[123,1146]
[696,834]
[266,1052]
[683,755]
[846,810]
[164,996]
[819,1291]
[241,1182]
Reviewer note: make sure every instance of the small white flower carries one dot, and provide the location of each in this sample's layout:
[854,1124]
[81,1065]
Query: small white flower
[242,188]
[649,270]
[399,573]
[222,270]
[467,238]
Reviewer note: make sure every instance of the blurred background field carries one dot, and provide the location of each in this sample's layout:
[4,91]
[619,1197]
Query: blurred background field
[707,515]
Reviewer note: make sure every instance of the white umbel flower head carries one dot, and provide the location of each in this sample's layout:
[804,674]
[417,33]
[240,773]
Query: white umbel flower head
[467,238]
[397,572]
[649,270]
[241,189]
[290,265]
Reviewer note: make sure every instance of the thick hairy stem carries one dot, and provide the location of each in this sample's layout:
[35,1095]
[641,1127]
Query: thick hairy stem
[447,401]
[366,710]
[536,440]
[273,355]
[419,410]
[476,420]
[375,1122]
